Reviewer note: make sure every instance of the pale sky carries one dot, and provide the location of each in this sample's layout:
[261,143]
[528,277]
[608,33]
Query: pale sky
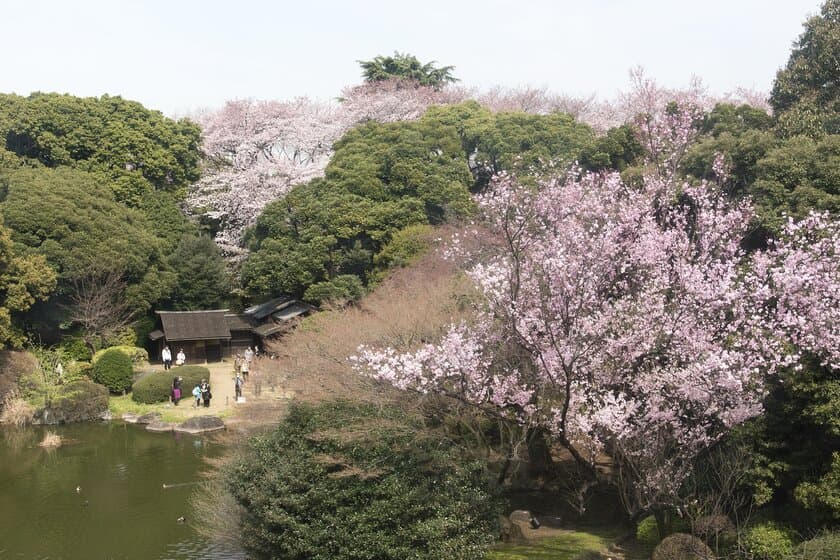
[181,55]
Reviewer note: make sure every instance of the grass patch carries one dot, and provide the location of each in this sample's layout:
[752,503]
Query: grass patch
[123,404]
[561,547]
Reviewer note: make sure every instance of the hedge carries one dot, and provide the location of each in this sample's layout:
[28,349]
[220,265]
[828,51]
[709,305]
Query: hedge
[113,369]
[157,387]
[345,481]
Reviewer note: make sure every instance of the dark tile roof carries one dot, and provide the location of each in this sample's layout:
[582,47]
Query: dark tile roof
[290,311]
[239,322]
[156,334]
[194,325]
[263,310]
[269,329]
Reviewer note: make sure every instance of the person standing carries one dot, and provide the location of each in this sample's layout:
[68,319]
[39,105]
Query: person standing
[181,358]
[206,395]
[245,368]
[166,356]
[196,393]
[237,386]
[249,355]
[176,390]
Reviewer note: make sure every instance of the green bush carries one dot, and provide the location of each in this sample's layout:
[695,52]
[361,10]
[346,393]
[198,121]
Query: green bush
[822,547]
[157,386]
[138,356]
[113,369]
[647,532]
[341,289]
[768,541]
[405,246]
[681,546]
[79,401]
[349,481]
[75,348]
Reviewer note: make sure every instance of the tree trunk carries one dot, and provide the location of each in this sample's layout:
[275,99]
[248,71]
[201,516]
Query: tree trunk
[539,454]
[664,522]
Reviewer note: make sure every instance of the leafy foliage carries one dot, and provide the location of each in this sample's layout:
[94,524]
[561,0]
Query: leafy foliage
[386,177]
[157,386]
[79,401]
[138,149]
[346,288]
[24,279]
[342,481]
[113,370]
[822,547]
[806,93]
[201,277]
[406,67]
[768,541]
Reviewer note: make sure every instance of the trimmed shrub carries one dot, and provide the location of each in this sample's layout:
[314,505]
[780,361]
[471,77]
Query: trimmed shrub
[681,546]
[157,386]
[113,369]
[348,481]
[769,541]
[138,356]
[647,532]
[822,547]
[79,401]
[342,289]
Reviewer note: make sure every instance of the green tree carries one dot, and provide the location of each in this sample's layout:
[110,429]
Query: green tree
[24,279]
[138,149]
[805,93]
[406,67]
[386,177]
[202,278]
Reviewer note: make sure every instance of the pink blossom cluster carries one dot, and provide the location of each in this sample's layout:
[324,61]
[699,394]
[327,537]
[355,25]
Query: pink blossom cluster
[800,276]
[634,327]
[258,150]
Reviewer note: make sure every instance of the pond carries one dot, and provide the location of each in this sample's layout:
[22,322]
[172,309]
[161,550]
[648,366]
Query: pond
[115,492]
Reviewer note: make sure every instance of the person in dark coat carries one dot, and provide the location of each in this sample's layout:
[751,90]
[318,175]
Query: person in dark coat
[206,395]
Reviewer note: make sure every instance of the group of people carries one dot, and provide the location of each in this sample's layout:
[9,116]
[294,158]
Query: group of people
[201,392]
[241,368]
[166,356]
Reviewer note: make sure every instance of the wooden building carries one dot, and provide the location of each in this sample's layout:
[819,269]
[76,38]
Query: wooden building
[211,335]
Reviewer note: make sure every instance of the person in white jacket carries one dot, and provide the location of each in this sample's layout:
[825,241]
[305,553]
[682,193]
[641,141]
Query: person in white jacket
[166,356]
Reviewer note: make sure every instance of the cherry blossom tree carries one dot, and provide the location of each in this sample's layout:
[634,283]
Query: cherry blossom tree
[619,318]
[258,150]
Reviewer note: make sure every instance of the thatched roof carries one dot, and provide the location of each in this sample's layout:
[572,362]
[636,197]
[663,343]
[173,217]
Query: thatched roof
[194,325]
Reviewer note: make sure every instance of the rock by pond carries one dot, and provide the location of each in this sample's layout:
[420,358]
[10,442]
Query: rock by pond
[201,424]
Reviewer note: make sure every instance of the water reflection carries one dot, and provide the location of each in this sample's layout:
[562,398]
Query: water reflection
[115,493]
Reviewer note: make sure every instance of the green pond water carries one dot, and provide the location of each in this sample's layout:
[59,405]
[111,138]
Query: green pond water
[121,509]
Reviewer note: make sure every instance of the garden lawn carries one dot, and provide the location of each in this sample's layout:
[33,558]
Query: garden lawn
[563,546]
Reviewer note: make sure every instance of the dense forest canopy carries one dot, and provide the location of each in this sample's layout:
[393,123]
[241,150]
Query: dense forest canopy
[94,186]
